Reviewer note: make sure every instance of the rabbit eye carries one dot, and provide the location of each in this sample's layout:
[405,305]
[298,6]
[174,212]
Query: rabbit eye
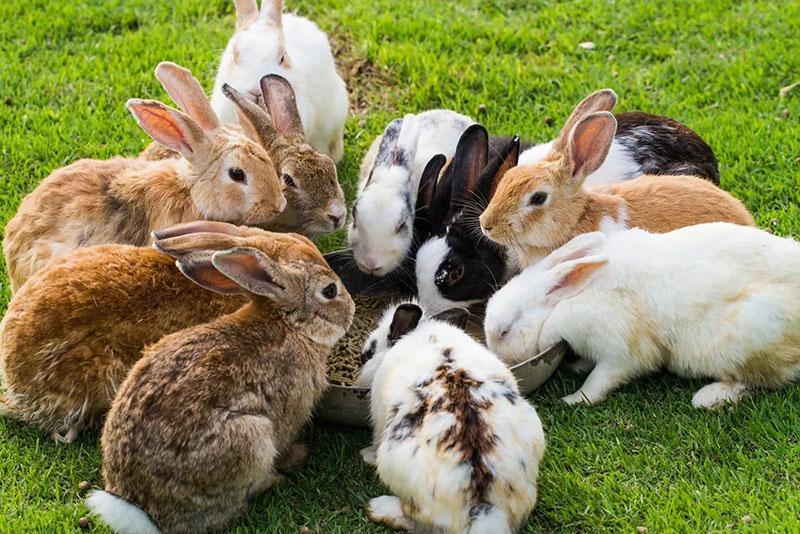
[237,175]
[538,198]
[289,181]
[330,291]
[455,275]
[401,227]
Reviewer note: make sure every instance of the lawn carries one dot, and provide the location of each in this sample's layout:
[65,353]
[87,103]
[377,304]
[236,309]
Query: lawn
[645,458]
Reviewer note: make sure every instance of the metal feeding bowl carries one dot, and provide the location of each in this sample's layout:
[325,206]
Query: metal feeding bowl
[349,405]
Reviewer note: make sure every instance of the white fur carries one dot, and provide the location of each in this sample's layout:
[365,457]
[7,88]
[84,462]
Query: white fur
[715,300]
[321,94]
[429,257]
[436,478]
[122,516]
[382,206]
[619,165]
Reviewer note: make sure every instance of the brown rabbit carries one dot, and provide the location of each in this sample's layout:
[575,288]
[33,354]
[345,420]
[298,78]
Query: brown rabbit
[315,201]
[537,208]
[222,175]
[69,338]
[207,418]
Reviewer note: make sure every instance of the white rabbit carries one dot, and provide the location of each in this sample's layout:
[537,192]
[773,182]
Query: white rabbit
[380,231]
[271,42]
[715,300]
[455,440]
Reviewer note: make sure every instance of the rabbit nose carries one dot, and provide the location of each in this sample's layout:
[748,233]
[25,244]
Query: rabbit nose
[371,266]
[336,220]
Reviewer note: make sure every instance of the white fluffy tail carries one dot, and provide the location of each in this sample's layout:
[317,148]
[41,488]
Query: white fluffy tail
[488,519]
[122,516]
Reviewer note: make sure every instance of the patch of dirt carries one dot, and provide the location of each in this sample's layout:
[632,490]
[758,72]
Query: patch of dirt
[370,86]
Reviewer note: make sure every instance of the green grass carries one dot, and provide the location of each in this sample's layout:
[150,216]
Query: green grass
[644,458]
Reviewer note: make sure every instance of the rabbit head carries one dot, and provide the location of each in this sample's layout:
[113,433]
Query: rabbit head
[316,203]
[257,47]
[381,226]
[535,204]
[517,313]
[283,270]
[462,267]
[229,176]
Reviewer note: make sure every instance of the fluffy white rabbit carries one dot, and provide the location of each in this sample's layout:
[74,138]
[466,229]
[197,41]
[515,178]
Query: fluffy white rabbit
[381,225]
[454,439]
[713,300]
[271,42]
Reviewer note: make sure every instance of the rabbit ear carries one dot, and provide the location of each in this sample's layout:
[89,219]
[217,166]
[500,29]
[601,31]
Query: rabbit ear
[255,273]
[589,144]
[282,105]
[388,143]
[468,163]
[580,246]
[427,182]
[602,100]
[181,245]
[568,279]
[272,10]
[406,149]
[253,118]
[457,317]
[196,227]
[406,318]
[246,13]
[198,267]
[168,126]
[186,91]
[501,163]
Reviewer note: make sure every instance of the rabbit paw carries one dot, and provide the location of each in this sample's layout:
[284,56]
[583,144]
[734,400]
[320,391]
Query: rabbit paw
[576,398]
[718,394]
[388,510]
[369,455]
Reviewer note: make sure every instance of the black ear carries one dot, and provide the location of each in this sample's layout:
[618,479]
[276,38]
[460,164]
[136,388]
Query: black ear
[427,187]
[455,316]
[468,163]
[406,318]
[506,158]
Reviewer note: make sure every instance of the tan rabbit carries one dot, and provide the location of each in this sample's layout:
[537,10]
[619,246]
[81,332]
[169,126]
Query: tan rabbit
[315,201]
[537,208]
[69,337]
[222,175]
[207,418]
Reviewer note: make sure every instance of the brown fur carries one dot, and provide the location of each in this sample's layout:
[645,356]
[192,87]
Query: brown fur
[199,423]
[92,202]
[70,336]
[654,203]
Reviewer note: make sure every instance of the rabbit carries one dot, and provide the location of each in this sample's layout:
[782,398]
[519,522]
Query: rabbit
[455,440]
[271,42]
[222,175]
[316,203]
[70,336]
[643,144]
[380,231]
[537,208]
[210,414]
[714,300]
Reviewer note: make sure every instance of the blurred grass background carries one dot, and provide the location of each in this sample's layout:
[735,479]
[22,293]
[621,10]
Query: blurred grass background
[643,459]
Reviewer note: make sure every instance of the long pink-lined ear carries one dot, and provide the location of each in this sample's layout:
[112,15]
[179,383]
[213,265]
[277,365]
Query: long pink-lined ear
[272,10]
[198,267]
[246,13]
[256,273]
[168,126]
[570,278]
[186,91]
[253,118]
[589,144]
[282,105]
[196,227]
[602,100]
[578,247]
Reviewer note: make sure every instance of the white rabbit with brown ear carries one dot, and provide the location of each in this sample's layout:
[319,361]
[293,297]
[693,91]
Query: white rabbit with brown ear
[210,415]
[272,42]
[221,175]
[537,208]
[454,439]
[713,300]
[382,220]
